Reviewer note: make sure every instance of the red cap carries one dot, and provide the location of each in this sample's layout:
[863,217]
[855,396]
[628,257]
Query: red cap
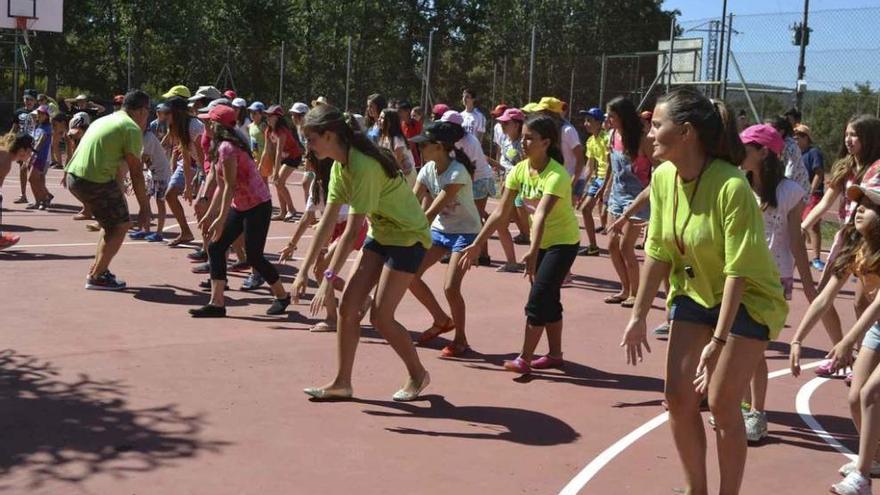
[764,135]
[118,99]
[512,114]
[226,116]
[230,94]
[499,110]
[440,109]
[275,110]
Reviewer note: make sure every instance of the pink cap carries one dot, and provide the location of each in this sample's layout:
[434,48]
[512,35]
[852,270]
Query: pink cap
[222,114]
[764,135]
[453,117]
[230,94]
[512,114]
[440,109]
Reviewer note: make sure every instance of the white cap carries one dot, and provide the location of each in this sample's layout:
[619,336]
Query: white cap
[239,103]
[299,107]
[453,117]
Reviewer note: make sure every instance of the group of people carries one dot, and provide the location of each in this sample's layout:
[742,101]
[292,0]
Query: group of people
[725,213]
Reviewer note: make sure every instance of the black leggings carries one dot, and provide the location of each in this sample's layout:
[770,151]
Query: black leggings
[255,225]
[544,304]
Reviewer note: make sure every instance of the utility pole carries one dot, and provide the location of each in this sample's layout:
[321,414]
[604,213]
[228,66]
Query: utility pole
[718,70]
[532,64]
[802,69]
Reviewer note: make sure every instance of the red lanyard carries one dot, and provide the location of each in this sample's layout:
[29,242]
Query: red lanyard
[679,241]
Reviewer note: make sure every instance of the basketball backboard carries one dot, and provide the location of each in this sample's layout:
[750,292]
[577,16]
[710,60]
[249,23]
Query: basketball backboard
[43,15]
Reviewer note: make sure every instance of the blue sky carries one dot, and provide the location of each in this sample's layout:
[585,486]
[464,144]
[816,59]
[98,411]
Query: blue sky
[843,50]
[699,9]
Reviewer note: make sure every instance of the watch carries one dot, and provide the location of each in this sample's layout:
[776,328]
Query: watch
[329,275]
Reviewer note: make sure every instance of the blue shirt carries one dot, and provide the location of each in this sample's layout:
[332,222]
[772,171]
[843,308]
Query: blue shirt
[812,162]
[44,131]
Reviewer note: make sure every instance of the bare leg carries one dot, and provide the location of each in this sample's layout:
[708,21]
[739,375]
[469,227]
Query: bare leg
[759,386]
[589,223]
[617,259]
[108,245]
[172,197]
[631,233]
[423,293]
[23,179]
[481,208]
[533,335]
[554,339]
[452,287]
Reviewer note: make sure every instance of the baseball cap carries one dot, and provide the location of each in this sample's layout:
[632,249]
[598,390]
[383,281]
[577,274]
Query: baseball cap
[41,109]
[452,116]
[275,110]
[802,129]
[531,108]
[30,93]
[222,114]
[440,109]
[321,100]
[856,192]
[238,102]
[764,135]
[257,106]
[498,111]
[552,104]
[404,105]
[81,98]
[594,113]
[176,103]
[231,94]
[299,107]
[215,103]
[163,107]
[80,120]
[512,114]
[206,92]
[440,132]
[179,90]
[118,99]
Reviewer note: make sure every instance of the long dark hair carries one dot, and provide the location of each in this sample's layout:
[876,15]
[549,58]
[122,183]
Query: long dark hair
[460,156]
[782,125]
[772,173]
[391,126]
[327,118]
[223,133]
[374,99]
[320,187]
[547,128]
[180,120]
[853,242]
[630,124]
[715,125]
[241,115]
[280,123]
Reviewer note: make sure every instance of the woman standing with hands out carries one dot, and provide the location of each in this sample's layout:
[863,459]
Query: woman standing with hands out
[707,237]
[368,180]
[242,204]
[285,155]
[545,187]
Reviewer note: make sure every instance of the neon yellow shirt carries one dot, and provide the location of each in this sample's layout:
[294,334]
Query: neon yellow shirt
[724,238]
[102,150]
[561,225]
[597,149]
[396,218]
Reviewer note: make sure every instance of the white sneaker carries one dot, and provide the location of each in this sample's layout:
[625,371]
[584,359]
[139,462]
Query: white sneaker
[850,467]
[756,426]
[853,484]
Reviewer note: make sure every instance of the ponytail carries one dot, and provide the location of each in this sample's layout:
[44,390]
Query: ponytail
[223,133]
[772,173]
[714,123]
[461,157]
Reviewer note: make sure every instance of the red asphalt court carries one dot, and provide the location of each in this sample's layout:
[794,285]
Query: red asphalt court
[123,393]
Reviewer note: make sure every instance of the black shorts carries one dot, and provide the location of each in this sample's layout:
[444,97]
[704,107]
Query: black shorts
[686,309]
[406,259]
[292,162]
[106,200]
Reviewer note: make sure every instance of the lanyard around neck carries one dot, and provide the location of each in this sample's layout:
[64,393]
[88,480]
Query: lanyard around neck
[679,241]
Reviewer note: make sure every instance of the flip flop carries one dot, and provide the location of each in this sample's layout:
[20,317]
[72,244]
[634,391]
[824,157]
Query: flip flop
[429,335]
[629,302]
[615,299]
[322,327]
[179,241]
[455,350]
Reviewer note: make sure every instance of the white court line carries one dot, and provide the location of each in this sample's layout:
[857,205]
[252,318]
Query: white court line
[126,243]
[802,406]
[603,459]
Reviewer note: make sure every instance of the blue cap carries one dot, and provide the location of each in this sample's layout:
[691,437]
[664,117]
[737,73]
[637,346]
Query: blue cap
[595,113]
[257,106]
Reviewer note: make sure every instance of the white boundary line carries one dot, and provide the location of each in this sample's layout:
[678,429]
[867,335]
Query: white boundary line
[802,406]
[606,456]
[126,243]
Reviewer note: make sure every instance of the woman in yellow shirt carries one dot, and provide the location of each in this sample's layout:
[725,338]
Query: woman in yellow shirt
[707,236]
[369,181]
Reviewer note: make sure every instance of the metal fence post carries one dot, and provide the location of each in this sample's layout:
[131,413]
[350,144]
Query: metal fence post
[532,64]
[671,48]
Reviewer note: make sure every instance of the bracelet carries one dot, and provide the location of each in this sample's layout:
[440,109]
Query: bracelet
[718,340]
[795,342]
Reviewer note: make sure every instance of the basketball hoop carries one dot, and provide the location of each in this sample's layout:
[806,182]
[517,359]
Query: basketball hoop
[22,24]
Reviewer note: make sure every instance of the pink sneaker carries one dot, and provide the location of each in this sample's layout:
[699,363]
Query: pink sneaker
[825,369]
[547,362]
[518,365]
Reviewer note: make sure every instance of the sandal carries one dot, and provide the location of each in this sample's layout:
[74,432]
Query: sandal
[322,327]
[93,227]
[179,241]
[328,394]
[629,302]
[615,299]
[435,331]
[455,350]
[80,216]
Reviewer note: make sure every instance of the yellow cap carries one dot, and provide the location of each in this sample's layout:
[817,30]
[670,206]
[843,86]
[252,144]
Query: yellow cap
[555,105]
[531,108]
[178,90]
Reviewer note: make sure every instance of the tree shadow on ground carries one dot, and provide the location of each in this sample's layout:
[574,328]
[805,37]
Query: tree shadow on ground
[69,431]
[491,422]
[781,350]
[29,256]
[801,435]
[24,228]
[63,208]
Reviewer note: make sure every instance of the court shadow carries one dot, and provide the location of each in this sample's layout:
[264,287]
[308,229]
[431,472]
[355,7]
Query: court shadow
[800,435]
[57,430]
[782,350]
[593,283]
[24,228]
[63,208]
[172,294]
[29,256]
[507,424]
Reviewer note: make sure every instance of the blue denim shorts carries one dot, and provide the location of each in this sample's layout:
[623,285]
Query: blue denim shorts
[452,242]
[578,189]
[686,309]
[872,337]
[595,185]
[178,179]
[483,188]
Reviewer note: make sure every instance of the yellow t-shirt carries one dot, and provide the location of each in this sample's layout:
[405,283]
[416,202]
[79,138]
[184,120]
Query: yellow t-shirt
[725,237]
[396,218]
[561,225]
[597,149]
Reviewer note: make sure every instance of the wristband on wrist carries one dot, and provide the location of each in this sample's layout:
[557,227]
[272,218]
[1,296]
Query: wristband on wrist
[330,275]
[718,340]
